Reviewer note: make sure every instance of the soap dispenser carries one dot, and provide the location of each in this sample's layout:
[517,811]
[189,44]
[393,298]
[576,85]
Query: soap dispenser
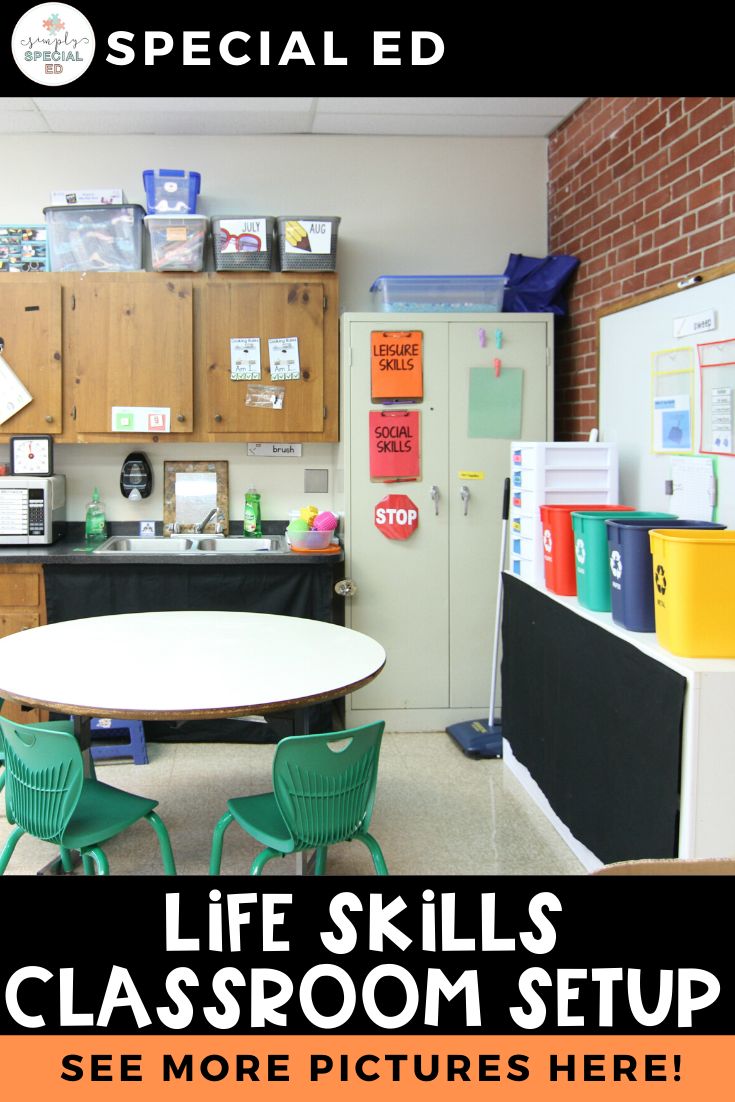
[136,477]
[95,522]
[252,519]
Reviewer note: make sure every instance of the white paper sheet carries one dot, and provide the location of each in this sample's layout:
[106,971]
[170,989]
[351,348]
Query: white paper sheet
[694,496]
[13,395]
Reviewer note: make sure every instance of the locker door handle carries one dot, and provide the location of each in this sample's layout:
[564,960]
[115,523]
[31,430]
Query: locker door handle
[435,498]
[464,494]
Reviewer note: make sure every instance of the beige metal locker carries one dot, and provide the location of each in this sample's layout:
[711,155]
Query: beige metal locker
[430,599]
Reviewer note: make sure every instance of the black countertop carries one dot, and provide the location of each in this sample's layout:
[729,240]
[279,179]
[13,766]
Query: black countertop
[71,549]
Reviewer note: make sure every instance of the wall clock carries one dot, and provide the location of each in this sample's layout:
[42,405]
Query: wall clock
[32,455]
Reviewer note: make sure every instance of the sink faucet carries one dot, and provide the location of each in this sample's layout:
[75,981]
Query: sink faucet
[203,523]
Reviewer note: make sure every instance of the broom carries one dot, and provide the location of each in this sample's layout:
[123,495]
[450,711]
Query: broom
[477,738]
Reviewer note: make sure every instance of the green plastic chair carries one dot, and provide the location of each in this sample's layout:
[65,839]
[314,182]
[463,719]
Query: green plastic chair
[48,796]
[323,793]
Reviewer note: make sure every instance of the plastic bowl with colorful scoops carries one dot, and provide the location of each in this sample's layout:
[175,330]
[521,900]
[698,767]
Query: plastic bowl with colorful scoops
[311,530]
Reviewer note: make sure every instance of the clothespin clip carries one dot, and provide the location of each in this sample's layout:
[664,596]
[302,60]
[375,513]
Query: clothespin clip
[498,338]
[482,337]
[497,365]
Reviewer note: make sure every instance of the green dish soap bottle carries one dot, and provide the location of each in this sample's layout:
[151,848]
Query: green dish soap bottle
[251,525]
[95,521]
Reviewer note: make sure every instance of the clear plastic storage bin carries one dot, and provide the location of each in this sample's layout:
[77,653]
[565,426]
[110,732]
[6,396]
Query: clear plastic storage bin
[177,241]
[243,242]
[439,294]
[171,190]
[103,238]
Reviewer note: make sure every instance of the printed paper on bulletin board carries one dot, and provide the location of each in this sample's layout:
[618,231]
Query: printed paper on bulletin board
[396,366]
[394,445]
[716,387]
[495,403]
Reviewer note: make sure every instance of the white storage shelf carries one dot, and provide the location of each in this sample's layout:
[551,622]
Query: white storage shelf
[545,473]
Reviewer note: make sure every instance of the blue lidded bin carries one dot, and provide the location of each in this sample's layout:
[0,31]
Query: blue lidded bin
[171,190]
[631,570]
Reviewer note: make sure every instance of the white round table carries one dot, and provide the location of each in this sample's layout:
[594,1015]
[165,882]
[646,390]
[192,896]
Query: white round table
[184,665]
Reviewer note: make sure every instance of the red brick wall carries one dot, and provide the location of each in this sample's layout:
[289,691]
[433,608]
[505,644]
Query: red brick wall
[641,190]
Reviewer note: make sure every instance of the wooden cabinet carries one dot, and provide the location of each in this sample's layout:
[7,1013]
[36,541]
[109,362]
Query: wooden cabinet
[22,605]
[128,342]
[285,307]
[30,343]
[163,340]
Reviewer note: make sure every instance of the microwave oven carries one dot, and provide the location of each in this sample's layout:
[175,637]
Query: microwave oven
[32,509]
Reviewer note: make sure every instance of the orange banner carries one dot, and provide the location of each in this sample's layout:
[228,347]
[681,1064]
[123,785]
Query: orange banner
[321,1068]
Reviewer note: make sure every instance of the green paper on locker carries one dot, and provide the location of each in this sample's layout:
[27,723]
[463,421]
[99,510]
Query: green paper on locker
[592,557]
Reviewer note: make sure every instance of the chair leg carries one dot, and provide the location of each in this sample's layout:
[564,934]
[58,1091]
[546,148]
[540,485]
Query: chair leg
[87,865]
[262,858]
[100,860]
[67,863]
[215,859]
[2,780]
[10,845]
[320,861]
[376,853]
[167,855]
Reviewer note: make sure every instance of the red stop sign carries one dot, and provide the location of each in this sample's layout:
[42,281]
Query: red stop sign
[396,516]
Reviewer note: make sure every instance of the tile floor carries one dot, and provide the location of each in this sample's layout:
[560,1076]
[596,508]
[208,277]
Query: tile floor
[437,812]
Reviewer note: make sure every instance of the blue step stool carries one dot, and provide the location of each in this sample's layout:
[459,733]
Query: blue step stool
[134,747]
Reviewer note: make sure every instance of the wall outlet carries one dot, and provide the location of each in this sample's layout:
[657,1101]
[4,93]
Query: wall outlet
[147,528]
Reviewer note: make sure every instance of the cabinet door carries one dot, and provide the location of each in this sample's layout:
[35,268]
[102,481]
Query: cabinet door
[22,606]
[130,343]
[402,585]
[476,523]
[30,332]
[265,310]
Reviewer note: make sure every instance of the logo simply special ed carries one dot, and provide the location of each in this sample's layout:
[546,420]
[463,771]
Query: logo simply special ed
[53,44]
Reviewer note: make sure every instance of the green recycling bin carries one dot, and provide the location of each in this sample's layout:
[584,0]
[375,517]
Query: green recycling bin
[591,556]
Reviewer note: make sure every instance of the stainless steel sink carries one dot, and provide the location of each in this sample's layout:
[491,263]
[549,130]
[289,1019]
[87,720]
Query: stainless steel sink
[145,545]
[193,544]
[240,545]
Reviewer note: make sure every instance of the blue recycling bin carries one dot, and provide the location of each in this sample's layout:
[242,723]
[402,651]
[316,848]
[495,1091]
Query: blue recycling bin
[631,568]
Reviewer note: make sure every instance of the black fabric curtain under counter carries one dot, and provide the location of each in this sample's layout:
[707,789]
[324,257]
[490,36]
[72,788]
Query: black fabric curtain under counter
[596,722]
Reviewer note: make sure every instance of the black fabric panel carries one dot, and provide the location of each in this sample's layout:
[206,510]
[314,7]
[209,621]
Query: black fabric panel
[78,591]
[596,722]
[74,592]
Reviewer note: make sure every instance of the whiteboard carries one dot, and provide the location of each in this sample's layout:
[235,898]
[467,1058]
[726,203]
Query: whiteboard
[634,342]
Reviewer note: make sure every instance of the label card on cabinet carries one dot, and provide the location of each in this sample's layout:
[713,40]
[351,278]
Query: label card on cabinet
[394,445]
[283,354]
[141,419]
[396,366]
[245,358]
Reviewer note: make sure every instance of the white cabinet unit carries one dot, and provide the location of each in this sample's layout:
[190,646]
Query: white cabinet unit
[430,599]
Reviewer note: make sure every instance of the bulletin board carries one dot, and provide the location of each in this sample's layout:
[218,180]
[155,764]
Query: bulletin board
[674,349]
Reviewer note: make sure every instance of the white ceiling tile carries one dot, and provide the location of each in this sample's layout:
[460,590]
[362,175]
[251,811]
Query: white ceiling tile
[476,126]
[16,103]
[223,105]
[492,106]
[21,122]
[190,122]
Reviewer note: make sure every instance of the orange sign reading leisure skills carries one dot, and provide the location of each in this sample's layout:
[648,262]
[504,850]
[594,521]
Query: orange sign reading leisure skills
[396,366]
